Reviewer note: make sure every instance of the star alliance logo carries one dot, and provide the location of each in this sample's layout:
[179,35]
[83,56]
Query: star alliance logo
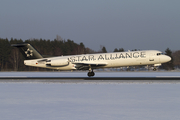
[29,52]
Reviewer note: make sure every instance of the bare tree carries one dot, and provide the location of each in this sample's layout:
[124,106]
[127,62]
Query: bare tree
[59,38]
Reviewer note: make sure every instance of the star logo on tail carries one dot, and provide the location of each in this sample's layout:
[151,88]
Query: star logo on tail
[29,52]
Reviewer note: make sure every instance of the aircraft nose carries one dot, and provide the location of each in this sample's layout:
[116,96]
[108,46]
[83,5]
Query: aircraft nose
[167,58]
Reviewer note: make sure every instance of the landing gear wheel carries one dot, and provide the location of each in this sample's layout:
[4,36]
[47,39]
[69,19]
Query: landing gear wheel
[90,74]
[154,69]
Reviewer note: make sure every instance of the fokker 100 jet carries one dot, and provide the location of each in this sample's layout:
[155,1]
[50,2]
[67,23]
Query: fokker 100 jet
[92,61]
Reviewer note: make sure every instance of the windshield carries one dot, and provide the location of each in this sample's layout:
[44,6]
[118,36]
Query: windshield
[160,54]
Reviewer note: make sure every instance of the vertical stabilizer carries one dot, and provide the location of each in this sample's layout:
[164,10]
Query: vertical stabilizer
[28,51]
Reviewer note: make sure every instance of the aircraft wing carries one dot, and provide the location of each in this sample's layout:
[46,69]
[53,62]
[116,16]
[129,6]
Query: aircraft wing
[85,66]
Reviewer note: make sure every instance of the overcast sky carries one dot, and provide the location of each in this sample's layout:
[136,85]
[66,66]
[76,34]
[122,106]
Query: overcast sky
[128,24]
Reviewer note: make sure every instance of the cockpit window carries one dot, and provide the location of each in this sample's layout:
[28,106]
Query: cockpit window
[159,54]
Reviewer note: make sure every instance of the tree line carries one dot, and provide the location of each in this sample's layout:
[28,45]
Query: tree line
[12,60]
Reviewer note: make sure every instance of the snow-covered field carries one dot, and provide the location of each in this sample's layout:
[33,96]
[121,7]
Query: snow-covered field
[89,100]
[102,101]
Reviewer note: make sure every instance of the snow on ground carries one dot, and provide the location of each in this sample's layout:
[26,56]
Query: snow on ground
[42,101]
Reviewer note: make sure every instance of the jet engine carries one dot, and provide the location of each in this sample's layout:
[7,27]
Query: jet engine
[58,62]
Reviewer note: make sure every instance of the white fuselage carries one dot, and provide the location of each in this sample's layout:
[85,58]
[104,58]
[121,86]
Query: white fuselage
[102,60]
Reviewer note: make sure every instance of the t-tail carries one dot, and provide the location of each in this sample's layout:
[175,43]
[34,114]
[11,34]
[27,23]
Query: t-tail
[28,51]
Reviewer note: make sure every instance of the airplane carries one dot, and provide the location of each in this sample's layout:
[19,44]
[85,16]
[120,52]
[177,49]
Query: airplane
[92,61]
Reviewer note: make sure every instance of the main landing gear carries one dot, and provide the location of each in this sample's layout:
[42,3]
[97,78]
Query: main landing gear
[90,73]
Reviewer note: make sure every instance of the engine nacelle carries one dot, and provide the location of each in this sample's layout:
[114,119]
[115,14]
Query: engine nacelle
[58,62]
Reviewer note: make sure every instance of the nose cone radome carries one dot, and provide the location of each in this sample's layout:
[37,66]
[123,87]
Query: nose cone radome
[166,59]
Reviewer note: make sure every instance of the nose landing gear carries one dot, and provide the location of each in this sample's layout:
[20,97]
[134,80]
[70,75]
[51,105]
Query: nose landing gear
[154,69]
[156,66]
